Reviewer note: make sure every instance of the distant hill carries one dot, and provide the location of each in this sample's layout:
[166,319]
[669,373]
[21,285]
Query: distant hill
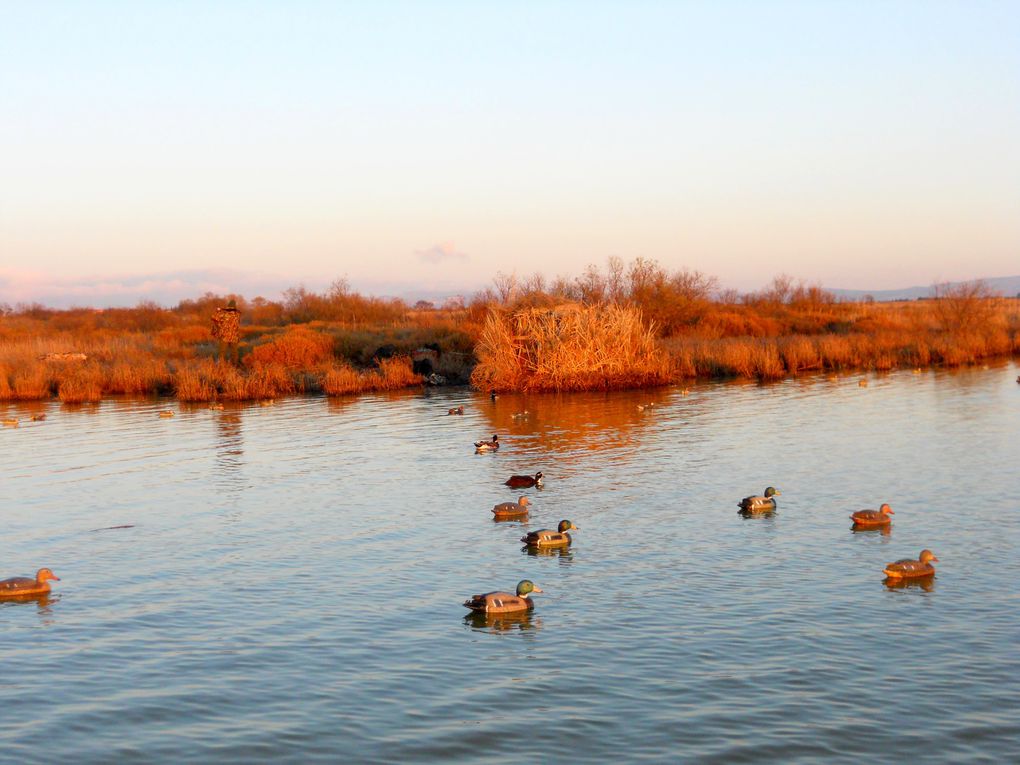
[1007,286]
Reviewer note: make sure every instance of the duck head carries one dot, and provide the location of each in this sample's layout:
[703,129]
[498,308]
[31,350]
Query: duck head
[886,510]
[927,556]
[525,587]
[772,492]
[523,501]
[44,574]
[567,526]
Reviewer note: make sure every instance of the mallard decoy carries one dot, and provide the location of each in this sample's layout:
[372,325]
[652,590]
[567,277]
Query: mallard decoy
[456,410]
[758,504]
[11,422]
[642,407]
[908,568]
[550,538]
[504,602]
[518,509]
[488,446]
[520,415]
[216,406]
[166,414]
[862,383]
[38,417]
[524,481]
[21,586]
[878,517]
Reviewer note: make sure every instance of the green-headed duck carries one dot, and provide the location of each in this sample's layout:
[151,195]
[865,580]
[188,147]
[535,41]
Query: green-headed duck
[504,602]
[908,568]
[878,517]
[524,481]
[21,586]
[518,509]
[488,446]
[550,538]
[758,504]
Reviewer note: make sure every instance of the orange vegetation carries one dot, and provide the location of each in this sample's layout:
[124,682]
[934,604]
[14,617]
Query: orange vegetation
[627,326]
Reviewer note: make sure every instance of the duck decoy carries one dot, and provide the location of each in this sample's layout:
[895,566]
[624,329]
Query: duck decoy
[518,509]
[11,422]
[862,383]
[869,518]
[550,538]
[504,602]
[520,415]
[488,446]
[166,414]
[38,417]
[21,586]
[524,481]
[492,395]
[456,410]
[909,569]
[758,504]
[216,406]
[642,407]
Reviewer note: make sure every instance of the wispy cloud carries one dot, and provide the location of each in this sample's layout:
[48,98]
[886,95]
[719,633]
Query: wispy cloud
[440,253]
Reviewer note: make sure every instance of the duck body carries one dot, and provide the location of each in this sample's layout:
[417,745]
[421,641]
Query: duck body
[456,410]
[518,509]
[21,586]
[759,504]
[908,568]
[10,422]
[551,537]
[873,518]
[504,602]
[488,446]
[167,414]
[524,481]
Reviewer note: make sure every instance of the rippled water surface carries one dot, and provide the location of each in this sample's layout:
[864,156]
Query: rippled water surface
[290,586]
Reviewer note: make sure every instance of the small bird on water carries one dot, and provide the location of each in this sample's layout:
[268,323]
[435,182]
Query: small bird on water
[504,602]
[907,568]
[488,446]
[22,586]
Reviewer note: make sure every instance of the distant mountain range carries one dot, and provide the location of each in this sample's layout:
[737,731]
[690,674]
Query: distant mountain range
[1007,286]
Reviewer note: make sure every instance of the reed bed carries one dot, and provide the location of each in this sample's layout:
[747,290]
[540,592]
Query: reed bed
[343,379]
[570,347]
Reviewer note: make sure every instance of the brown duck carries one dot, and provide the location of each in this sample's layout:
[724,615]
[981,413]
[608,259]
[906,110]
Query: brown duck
[456,410]
[909,569]
[524,481]
[504,602]
[550,538]
[21,586]
[518,509]
[869,518]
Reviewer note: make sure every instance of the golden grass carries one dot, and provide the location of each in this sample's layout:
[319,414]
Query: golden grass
[343,379]
[570,347]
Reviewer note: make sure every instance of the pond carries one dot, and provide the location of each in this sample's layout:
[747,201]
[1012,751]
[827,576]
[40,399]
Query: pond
[284,582]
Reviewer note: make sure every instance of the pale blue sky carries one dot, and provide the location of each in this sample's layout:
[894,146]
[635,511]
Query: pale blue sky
[858,144]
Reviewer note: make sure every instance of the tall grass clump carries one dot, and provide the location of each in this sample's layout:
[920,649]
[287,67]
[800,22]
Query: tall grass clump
[392,374]
[570,347]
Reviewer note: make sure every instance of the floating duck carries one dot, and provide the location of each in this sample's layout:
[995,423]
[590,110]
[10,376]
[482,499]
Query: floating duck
[642,407]
[456,410]
[917,370]
[758,504]
[685,391]
[167,413]
[216,405]
[862,383]
[504,602]
[492,395]
[909,569]
[518,509]
[524,481]
[267,402]
[38,417]
[21,586]
[488,446]
[868,518]
[520,415]
[11,422]
[550,538]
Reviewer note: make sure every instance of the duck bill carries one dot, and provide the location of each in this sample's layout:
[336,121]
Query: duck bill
[934,559]
[538,589]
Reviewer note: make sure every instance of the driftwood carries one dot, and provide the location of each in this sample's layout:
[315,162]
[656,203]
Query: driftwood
[63,357]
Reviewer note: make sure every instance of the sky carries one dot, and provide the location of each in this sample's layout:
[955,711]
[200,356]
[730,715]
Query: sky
[169,148]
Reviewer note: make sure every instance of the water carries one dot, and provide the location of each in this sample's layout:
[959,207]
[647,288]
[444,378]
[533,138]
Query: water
[291,586]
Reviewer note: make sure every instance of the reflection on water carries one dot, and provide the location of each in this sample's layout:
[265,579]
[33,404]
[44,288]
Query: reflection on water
[883,531]
[503,622]
[290,588]
[926,583]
